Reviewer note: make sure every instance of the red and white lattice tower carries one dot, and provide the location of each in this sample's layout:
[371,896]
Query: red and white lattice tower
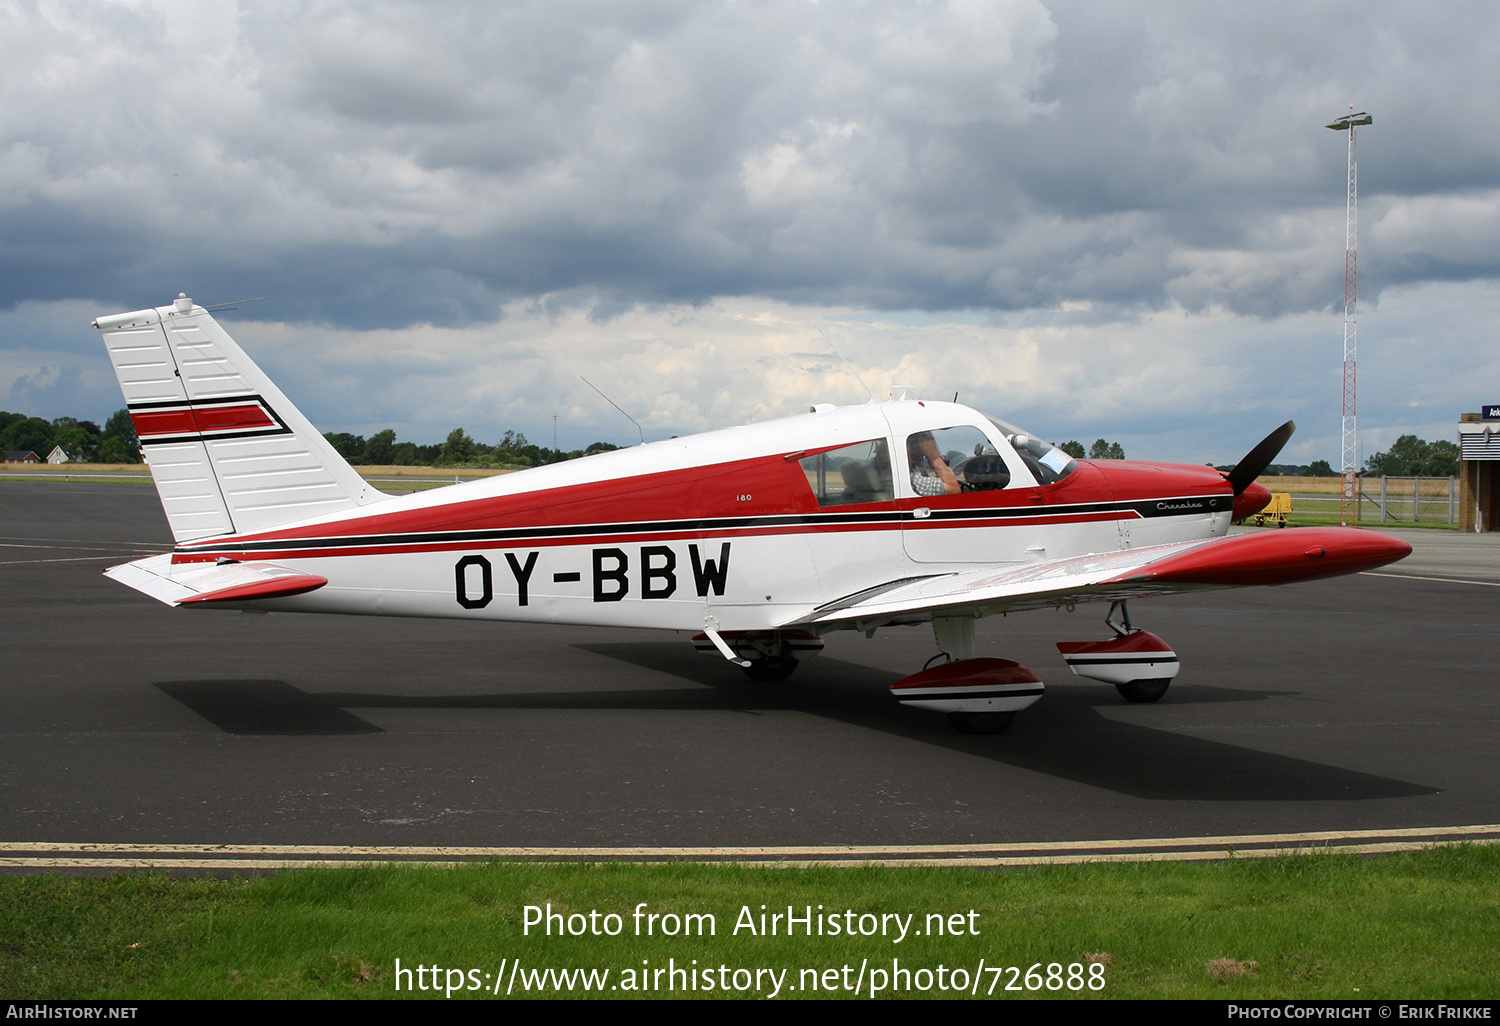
[1349,498]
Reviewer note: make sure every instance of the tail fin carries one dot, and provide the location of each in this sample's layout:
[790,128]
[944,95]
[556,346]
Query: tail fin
[228,452]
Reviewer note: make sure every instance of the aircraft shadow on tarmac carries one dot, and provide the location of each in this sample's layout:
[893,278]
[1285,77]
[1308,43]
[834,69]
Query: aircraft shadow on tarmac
[1064,736]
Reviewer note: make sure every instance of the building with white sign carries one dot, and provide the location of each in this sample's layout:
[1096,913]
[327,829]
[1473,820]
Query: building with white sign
[1479,469]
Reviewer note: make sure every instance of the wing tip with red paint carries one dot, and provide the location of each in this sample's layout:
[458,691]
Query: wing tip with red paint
[1276,557]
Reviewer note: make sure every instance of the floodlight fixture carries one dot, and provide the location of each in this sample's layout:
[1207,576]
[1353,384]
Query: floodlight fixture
[1347,122]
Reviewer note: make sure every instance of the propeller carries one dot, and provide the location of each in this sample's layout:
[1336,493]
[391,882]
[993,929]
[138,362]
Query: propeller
[1258,459]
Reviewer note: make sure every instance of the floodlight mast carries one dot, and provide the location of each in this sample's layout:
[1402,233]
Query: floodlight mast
[1349,497]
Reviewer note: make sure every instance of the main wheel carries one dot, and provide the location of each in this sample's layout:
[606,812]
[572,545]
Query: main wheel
[980,722]
[770,669]
[1144,690]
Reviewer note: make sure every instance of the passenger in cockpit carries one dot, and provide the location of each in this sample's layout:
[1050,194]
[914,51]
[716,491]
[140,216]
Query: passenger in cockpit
[930,474]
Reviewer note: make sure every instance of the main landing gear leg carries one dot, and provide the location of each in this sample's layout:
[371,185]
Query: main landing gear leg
[954,635]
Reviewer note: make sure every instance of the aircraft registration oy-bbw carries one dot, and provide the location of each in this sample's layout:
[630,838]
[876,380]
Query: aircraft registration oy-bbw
[758,540]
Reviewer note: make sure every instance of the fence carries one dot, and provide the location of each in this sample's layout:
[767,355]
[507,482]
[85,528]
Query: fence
[1432,500]
[1412,499]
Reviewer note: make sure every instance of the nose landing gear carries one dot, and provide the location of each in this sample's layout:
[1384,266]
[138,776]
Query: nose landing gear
[1140,665]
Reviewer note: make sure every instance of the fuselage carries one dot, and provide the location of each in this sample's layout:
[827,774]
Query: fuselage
[743,529]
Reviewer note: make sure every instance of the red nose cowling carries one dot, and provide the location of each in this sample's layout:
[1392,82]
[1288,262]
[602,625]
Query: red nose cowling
[1251,501]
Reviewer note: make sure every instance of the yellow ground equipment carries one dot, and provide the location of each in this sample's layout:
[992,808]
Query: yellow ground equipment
[1276,510]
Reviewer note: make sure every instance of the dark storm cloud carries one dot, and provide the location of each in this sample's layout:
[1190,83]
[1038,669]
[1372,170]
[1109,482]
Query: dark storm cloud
[399,163]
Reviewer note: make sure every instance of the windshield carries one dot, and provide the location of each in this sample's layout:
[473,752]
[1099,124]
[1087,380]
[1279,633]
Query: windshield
[1048,463]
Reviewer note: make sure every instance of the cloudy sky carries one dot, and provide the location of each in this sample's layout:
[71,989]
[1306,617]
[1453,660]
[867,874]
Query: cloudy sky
[1092,218]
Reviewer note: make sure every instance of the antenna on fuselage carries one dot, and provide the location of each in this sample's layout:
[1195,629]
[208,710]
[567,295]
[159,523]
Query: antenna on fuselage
[616,405]
[873,397]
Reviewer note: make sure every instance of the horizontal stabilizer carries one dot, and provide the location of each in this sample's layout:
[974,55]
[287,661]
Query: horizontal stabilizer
[194,583]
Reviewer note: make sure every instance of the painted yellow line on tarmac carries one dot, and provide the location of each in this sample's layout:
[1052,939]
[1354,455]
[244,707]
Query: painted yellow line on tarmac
[11,542]
[1443,580]
[70,559]
[72,543]
[1324,840]
[976,862]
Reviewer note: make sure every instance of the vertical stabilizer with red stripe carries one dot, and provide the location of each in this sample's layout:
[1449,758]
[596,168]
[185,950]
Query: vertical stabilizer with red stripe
[229,453]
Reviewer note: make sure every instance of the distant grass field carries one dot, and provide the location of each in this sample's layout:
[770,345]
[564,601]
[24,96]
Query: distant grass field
[448,472]
[1420,925]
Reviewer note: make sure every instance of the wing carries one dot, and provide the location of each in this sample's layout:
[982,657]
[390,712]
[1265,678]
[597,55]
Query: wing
[188,584]
[1270,557]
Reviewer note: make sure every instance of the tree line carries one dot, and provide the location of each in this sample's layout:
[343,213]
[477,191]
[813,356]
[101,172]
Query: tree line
[458,450]
[1317,468]
[86,442]
[1100,450]
[1410,456]
[83,440]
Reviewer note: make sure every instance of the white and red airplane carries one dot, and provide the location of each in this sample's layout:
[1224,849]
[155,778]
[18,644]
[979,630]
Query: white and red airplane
[758,539]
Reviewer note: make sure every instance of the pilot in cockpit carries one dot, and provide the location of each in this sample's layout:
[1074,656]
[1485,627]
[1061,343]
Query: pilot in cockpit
[930,474]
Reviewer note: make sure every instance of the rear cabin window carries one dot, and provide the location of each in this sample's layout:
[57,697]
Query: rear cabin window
[855,473]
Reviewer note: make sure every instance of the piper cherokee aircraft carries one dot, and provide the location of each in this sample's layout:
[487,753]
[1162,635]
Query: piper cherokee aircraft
[760,540]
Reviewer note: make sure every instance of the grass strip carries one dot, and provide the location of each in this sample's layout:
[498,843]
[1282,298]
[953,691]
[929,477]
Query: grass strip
[1420,925]
[1303,519]
[141,479]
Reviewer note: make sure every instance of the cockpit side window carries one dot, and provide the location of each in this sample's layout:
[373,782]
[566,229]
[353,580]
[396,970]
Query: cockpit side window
[954,459]
[854,473]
